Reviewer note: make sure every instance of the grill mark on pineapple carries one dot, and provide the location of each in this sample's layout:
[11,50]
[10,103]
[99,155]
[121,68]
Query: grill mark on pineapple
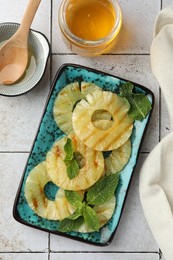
[95,159]
[45,201]
[84,154]
[119,135]
[119,122]
[57,209]
[74,141]
[119,108]
[102,138]
[102,222]
[63,93]
[91,134]
[84,87]
[58,151]
[35,203]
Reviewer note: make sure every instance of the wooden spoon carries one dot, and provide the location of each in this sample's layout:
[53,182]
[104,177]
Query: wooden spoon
[14,53]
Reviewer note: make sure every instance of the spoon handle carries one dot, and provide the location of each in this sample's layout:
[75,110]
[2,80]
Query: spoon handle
[29,15]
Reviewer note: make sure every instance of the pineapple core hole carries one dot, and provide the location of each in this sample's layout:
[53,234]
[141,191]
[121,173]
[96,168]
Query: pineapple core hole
[102,119]
[50,190]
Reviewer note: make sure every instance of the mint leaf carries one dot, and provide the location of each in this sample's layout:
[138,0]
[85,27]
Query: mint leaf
[78,213]
[70,161]
[91,218]
[139,106]
[126,89]
[67,225]
[139,103]
[68,148]
[72,168]
[74,198]
[103,190]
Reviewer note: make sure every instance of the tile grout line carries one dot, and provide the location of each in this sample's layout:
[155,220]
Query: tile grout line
[82,252]
[161,4]
[160,254]
[105,252]
[48,246]
[108,54]
[11,152]
[22,252]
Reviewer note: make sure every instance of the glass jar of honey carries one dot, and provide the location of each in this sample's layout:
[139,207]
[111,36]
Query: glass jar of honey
[90,27]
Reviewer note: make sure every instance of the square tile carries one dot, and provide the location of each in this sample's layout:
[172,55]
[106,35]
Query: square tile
[134,36]
[133,233]
[20,117]
[102,256]
[133,67]
[23,256]
[15,236]
[166,3]
[13,11]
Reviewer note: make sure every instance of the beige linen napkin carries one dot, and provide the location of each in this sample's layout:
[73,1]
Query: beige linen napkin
[156,176]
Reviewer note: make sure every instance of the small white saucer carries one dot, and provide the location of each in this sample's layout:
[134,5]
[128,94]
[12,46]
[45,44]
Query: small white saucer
[38,51]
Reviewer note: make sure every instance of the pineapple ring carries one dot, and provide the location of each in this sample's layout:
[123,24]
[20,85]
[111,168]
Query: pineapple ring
[93,165]
[104,213]
[116,161]
[102,139]
[39,203]
[65,102]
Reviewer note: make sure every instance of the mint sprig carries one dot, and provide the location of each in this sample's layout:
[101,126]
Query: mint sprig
[101,192]
[70,161]
[139,103]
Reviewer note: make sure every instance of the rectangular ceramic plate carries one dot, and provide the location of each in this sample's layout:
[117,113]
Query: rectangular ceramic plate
[49,132]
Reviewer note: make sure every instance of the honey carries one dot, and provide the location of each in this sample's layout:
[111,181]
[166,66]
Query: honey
[90,27]
[90,19]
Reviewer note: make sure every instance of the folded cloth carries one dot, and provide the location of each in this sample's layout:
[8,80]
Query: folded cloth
[156,176]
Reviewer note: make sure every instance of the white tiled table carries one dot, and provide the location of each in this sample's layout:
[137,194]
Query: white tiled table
[20,117]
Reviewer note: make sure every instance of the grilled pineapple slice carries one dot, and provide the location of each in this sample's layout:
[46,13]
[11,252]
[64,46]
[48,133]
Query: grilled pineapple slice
[65,102]
[39,203]
[104,213]
[100,139]
[116,161]
[91,170]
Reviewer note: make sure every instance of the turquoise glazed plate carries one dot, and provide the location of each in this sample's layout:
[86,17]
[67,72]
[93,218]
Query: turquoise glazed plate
[49,132]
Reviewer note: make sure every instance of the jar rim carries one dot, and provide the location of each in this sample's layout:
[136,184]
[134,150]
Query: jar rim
[64,27]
